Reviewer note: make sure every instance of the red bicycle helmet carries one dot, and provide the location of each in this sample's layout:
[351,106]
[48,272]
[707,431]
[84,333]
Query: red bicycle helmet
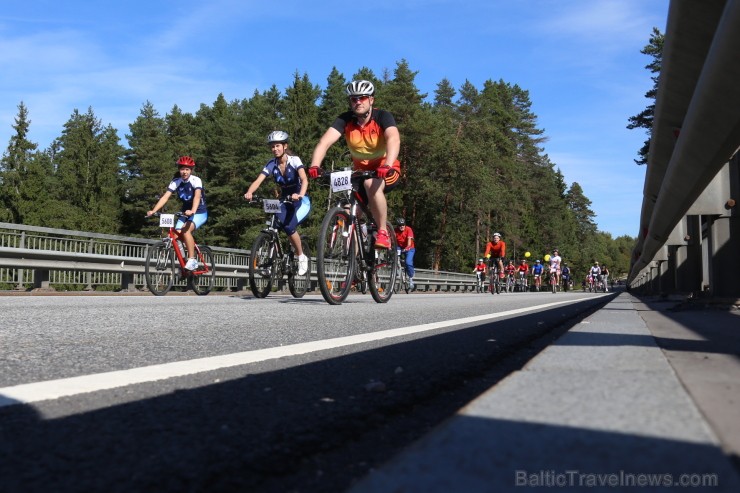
[186,161]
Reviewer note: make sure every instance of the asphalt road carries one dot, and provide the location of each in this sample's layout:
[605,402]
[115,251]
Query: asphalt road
[233,393]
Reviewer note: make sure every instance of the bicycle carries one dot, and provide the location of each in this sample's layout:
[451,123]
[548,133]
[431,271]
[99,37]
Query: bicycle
[162,259]
[270,261]
[402,277]
[591,284]
[521,282]
[566,282]
[553,281]
[537,282]
[480,278]
[509,283]
[494,283]
[345,253]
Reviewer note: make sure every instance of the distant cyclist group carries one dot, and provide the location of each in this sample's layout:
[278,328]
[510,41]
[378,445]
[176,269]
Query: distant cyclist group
[518,275]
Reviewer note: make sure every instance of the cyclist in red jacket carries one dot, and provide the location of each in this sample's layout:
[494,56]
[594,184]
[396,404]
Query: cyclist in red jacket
[496,251]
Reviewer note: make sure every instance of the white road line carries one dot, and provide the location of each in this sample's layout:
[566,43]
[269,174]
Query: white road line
[66,387]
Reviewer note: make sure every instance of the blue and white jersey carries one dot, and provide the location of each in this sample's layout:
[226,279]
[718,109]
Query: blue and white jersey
[290,182]
[185,190]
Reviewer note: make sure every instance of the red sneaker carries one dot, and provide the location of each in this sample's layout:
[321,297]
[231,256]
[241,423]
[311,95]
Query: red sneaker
[382,240]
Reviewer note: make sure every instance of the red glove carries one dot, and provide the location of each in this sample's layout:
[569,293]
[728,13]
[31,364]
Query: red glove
[382,172]
[313,172]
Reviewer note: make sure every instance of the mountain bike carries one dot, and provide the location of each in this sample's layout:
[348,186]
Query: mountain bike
[509,283]
[566,282]
[494,281]
[552,280]
[402,277]
[480,278]
[345,252]
[162,261]
[537,282]
[521,282]
[270,260]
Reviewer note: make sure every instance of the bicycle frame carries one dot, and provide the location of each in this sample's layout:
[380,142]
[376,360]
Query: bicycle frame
[273,229]
[351,201]
[342,231]
[494,281]
[171,238]
[160,269]
[401,275]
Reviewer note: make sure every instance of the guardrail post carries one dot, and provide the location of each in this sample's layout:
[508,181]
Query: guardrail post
[41,279]
[688,258]
[21,272]
[88,275]
[127,282]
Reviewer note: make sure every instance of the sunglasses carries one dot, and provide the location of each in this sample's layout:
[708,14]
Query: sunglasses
[358,99]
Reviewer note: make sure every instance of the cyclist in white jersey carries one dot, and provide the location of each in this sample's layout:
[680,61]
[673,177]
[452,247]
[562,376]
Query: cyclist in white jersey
[555,261]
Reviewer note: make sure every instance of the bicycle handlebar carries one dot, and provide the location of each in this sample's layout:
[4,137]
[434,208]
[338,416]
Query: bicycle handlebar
[357,175]
[256,199]
[176,214]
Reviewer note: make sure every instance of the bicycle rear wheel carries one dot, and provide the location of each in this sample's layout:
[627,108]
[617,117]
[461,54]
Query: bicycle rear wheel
[335,256]
[159,269]
[383,274]
[262,266]
[203,278]
[299,284]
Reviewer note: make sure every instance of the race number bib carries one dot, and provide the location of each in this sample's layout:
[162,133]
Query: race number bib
[341,180]
[271,206]
[166,220]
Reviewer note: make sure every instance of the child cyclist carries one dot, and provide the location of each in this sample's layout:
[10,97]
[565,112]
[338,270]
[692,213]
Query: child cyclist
[480,270]
[189,188]
[288,172]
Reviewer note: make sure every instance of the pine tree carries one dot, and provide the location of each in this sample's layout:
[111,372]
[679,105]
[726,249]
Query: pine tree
[13,166]
[644,119]
[149,166]
[223,173]
[87,165]
[301,115]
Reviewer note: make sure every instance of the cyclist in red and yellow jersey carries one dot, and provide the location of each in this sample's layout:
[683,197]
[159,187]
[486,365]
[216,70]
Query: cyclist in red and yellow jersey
[374,143]
[496,251]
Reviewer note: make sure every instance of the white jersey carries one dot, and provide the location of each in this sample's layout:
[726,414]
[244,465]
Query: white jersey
[555,262]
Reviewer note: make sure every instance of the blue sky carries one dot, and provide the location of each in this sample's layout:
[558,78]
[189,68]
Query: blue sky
[580,61]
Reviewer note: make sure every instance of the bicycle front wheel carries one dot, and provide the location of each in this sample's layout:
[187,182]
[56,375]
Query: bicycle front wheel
[203,278]
[299,284]
[335,256]
[262,266]
[383,274]
[159,269]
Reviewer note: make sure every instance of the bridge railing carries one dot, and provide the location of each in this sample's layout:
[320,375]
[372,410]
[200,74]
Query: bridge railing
[689,232]
[38,257]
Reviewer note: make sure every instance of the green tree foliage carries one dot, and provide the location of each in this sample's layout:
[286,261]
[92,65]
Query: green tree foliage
[148,165]
[87,166]
[14,167]
[473,163]
[644,119]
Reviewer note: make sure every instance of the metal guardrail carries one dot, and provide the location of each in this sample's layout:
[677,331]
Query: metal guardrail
[39,257]
[686,242]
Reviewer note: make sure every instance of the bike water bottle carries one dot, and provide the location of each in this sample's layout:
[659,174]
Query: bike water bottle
[181,249]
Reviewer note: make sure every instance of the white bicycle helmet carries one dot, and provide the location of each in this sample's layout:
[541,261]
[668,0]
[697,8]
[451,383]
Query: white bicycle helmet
[497,234]
[360,88]
[277,136]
